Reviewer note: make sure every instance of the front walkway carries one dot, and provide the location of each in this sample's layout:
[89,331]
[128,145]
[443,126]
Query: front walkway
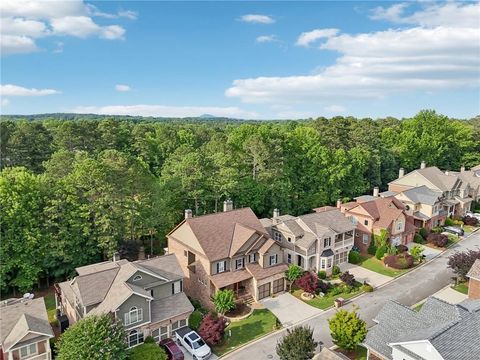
[288,309]
[450,295]
[361,274]
[428,251]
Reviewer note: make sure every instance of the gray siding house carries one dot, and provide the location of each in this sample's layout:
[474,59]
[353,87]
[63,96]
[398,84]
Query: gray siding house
[146,296]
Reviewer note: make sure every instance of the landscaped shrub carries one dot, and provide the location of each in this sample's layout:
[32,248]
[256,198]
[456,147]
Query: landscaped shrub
[195,319]
[417,252]
[323,286]
[372,249]
[402,248]
[418,239]
[308,282]
[196,303]
[147,351]
[392,250]
[212,329]
[335,290]
[380,253]
[354,257]
[149,340]
[367,288]
[322,274]
[461,262]
[439,240]
[335,270]
[437,230]
[449,222]
[471,221]
[401,261]
[347,278]
[423,233]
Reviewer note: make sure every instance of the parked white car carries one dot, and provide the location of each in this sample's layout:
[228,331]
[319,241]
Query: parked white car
[193,343]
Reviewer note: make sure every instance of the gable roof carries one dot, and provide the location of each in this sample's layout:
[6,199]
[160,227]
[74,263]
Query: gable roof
[453,330]
[21,317]
[318,222]
[217,232]
[433,176]
[474,272]
[422,195]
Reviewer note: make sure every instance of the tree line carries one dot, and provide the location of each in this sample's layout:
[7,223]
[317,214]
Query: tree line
[75,190]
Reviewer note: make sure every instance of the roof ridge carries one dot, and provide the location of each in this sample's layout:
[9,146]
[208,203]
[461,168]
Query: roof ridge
[218,213]
[117,267]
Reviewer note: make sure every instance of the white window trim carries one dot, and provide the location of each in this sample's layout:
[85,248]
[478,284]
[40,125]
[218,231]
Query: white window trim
[176,287]
[242,263]
[128,316]
[136,333]
[365,239]
[137,278]
[222,268]
[289,258]
[29,354]
[275,259]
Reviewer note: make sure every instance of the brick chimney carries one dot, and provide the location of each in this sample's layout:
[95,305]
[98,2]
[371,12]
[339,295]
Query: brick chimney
[227,205]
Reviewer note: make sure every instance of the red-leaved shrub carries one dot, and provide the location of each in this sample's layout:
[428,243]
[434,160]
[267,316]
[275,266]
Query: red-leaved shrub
[402,248]
[468,220]
[212,329]
[400,261]
[439,240]
[308,282]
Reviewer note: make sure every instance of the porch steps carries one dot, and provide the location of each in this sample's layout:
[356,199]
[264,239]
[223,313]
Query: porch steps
[248,299]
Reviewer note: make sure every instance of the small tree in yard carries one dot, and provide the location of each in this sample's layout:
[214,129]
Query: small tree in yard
[417,252]
[347,278]
[95,337]
[212,329]
[382,239]
[224,301]
[297,344]
[293,273]
[347,329]
[461,262]
[308,282]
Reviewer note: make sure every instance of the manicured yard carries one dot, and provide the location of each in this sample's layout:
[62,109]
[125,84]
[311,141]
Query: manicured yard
[360,353]
[373,264]
[462,287]
[261,322]
[326,301]
[50,305]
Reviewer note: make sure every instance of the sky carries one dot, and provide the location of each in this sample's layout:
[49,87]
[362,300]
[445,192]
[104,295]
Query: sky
[251,60]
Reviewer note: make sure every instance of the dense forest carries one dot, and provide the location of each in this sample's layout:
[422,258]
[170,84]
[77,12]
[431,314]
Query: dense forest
[76,188]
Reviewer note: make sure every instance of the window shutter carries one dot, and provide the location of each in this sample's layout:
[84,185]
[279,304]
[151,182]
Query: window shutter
[218,267]
[276,258]
[181,285]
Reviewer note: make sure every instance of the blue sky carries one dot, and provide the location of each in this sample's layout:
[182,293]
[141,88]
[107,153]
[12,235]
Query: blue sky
[241,59]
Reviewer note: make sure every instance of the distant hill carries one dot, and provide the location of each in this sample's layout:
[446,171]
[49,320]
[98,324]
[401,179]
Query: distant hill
[208,116]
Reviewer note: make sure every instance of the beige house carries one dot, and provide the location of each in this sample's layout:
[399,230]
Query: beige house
[473,276]
[25,332]
[315,241]
[146,296]
[382,213]
[424,205]
[456,193]
[227,250]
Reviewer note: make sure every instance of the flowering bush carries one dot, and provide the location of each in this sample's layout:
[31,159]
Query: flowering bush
[308,282]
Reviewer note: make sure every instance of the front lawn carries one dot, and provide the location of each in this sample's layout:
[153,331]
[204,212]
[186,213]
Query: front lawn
[360,353]
[373,264]
[260,323]
[462,287]
[50,305]
[328,300]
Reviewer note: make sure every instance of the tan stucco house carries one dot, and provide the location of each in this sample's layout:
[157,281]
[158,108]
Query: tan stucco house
[227,250]
[146,296]
[25,332]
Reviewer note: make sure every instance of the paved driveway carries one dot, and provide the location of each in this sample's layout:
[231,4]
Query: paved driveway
[361,274]
[289,310]
[429,252]
[450,295]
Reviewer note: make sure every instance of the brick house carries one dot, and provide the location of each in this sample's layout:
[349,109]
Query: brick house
[227,250]
[372,216]
[473,276]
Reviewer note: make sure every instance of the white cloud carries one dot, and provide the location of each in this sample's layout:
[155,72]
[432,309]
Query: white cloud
[377,64]
[5,102]
[306,38]
[165,111]
[24,21]
[122,88]
[335,109]
[14,90]
[266,38]
[393,13]
[257,19]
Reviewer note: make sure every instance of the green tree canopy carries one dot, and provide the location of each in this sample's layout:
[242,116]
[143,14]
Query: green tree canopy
[297,344]
[347,329]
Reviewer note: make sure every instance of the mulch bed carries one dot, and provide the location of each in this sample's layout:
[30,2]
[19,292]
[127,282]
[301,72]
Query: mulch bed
[240,310]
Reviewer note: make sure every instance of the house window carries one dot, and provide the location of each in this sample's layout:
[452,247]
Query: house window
[399,226]
[135,338]
[177,287]
[329,262]
[185,253]
[133,316]
[221,266]
[252,258]
[365,222]
[277,236]
[365,239]
[28,351]
[239,263]
[322,263]
[327,242]
[160,334]
[353,219]
[137,278]
[340,258]
[289,258]
[179,324]
[273,259]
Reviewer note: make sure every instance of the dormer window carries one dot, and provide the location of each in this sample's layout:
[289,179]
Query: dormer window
[273,259]
[221,266]
[239,263]
[365,222]
[277,236]
[327,242]
[252,258]
[177,287]
[137,278]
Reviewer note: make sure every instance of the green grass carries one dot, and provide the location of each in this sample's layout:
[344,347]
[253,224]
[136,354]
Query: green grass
[326,301]
[373,264]
[418,307]
[50,305]
[261,322]
[360,353]
[462,287]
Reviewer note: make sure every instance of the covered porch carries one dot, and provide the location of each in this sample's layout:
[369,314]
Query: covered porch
[240,282]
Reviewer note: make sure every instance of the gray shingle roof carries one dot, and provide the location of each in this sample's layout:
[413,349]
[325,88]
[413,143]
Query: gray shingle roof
[422,195]
[453,330]
[170,307]
[333,219]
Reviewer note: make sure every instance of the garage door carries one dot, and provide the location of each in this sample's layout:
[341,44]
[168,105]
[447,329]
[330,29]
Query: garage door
[263,291]
[278,286]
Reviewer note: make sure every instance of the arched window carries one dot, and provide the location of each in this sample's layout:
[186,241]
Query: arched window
[134,315]
[137,278]
[134,338]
